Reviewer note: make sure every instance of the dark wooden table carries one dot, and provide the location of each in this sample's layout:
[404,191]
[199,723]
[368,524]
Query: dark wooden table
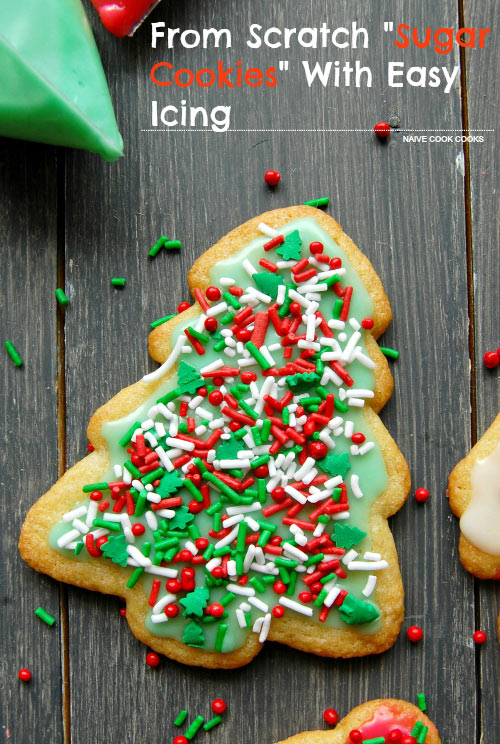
[68,219]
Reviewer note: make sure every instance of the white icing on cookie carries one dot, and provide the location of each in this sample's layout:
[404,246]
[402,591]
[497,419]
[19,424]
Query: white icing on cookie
[480,523]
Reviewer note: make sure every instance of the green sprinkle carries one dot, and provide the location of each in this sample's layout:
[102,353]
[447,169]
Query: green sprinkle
[212,723]
[130,433]
[257,584]
[196,334]
[157,246]
[262,492]
[340,406]
[264,537]
[265,431]
[323,201]
[242,534]
[231,300]
[209,552]
[261,460]
[160,321]
[193,490]
[214,508]
[95,487]
[337,308]
[314,559]
[417,728]
[78,548]
[172,245]
[181,718]
[61,297]
[227,598]
[320,598]
[293,581]
[194,728]
[113,526]
[422,735]
[376,740]
[118,281]
[390,353]
[422,703]
[286,562]
[132,469]
[223,487]
[217,522]
[43,615]
[134,578]
[13,353]
[140,506]
[261,361]
[219,640]
[249,411]
[150,477]
[227,318]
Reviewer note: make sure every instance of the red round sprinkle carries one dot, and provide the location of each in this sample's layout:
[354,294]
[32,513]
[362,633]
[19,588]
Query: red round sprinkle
[138,529]
[100,541]
[367,323]
[395,735]
[276,540]
[421,495]
[316,247]
[136,460]
[211,324]
[356,736]
[213,294]
[185,555]
[243,580]
[195,507]
[218,381]
[90,447]
[187,573]
[382,129]
[491,359]
[278,611]
[294,308]
[272,177]
[219,706]
[248,377]
[358,438]
[409,740]
[479,636]
[216,609]
[195,478]
[234,426]
[262,471]
[218,572]
[279,587]
[330,716]
[180,740]
[24,675]
[95,496]
[335,263]
[152,659]
[305,597]
[202,391]
[123,611]
[318,450]
[316,587]
[243,334]
[215,397]
[173,586]
[278,494]
[183,306]
[201,543]
[415,633]
[171,610]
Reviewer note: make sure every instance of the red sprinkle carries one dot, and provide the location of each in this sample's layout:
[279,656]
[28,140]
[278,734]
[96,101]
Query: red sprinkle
[211,324]
[382,129]
[330,716]
[356,736]
[272,177]
[24,675]
[219,706]
[479,636]
[152,659]
[415,634]
[278,240]
[278,611]
[90,447]
[421,495]
[213,294]
[491,359]
[180,740]
[367,323]
[183,306]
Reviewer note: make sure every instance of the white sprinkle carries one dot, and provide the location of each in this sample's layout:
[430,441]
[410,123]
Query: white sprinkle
[351,555]
[233,520]
[292,605]
[231,510]
[295,494]
[354,324]
[212,366]
[280,297]
[168,363]
[356,402]
[265,628]
[226,281]
[258,624]
[337,325]
[117,470]
[250,555]
[249,268]
[213,563]
[166,513]
[256,602]
[226,540]
[163,602]
[363,359]
[217,309]
[170,573]
[245,591]
[68,537]
[332,596]
[358,493]
[366,447]
[151,520]
[240,617]
[137,556]
[232,464]
[367,565]
[350,346]
[267,230]
[370,586]
[354,449]
[160,429]
[75,513]
[148,424]
[368,556]
[326,439]
[91,513]
[180,443]
[292,550]
[306,468]
[80,526]
[254,526]
[157,619]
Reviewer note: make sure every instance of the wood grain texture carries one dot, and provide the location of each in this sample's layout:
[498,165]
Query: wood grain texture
[29,420]
[403,205]
[483,95]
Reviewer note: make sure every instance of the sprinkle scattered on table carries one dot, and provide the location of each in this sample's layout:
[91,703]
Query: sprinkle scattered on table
[24,675]
[272,177]
[118,281]
[160,321]
[13,353]
[157,246]
[61,297]
[491,359]
[330,716]
[421,701]
[323,201]
[421,495]
[45,616]
[388,352]
[479,637]
[382,129]
[415,634]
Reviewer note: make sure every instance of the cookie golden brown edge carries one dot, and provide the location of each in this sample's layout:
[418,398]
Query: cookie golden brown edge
[362,714]
[110,579]
[476,561]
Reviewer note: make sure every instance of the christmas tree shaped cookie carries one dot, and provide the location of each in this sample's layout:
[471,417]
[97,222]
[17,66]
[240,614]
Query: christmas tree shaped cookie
[474,493]
[385,721]
[53,86]
[241,491]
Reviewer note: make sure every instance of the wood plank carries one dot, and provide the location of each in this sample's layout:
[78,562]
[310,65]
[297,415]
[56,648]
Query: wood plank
[403,205]
[28,216]
[483,90]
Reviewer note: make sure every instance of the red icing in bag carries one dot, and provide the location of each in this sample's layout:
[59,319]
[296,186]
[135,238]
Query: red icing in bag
[122,17]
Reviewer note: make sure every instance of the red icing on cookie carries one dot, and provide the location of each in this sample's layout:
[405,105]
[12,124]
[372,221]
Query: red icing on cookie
[387,718]
[121,17]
